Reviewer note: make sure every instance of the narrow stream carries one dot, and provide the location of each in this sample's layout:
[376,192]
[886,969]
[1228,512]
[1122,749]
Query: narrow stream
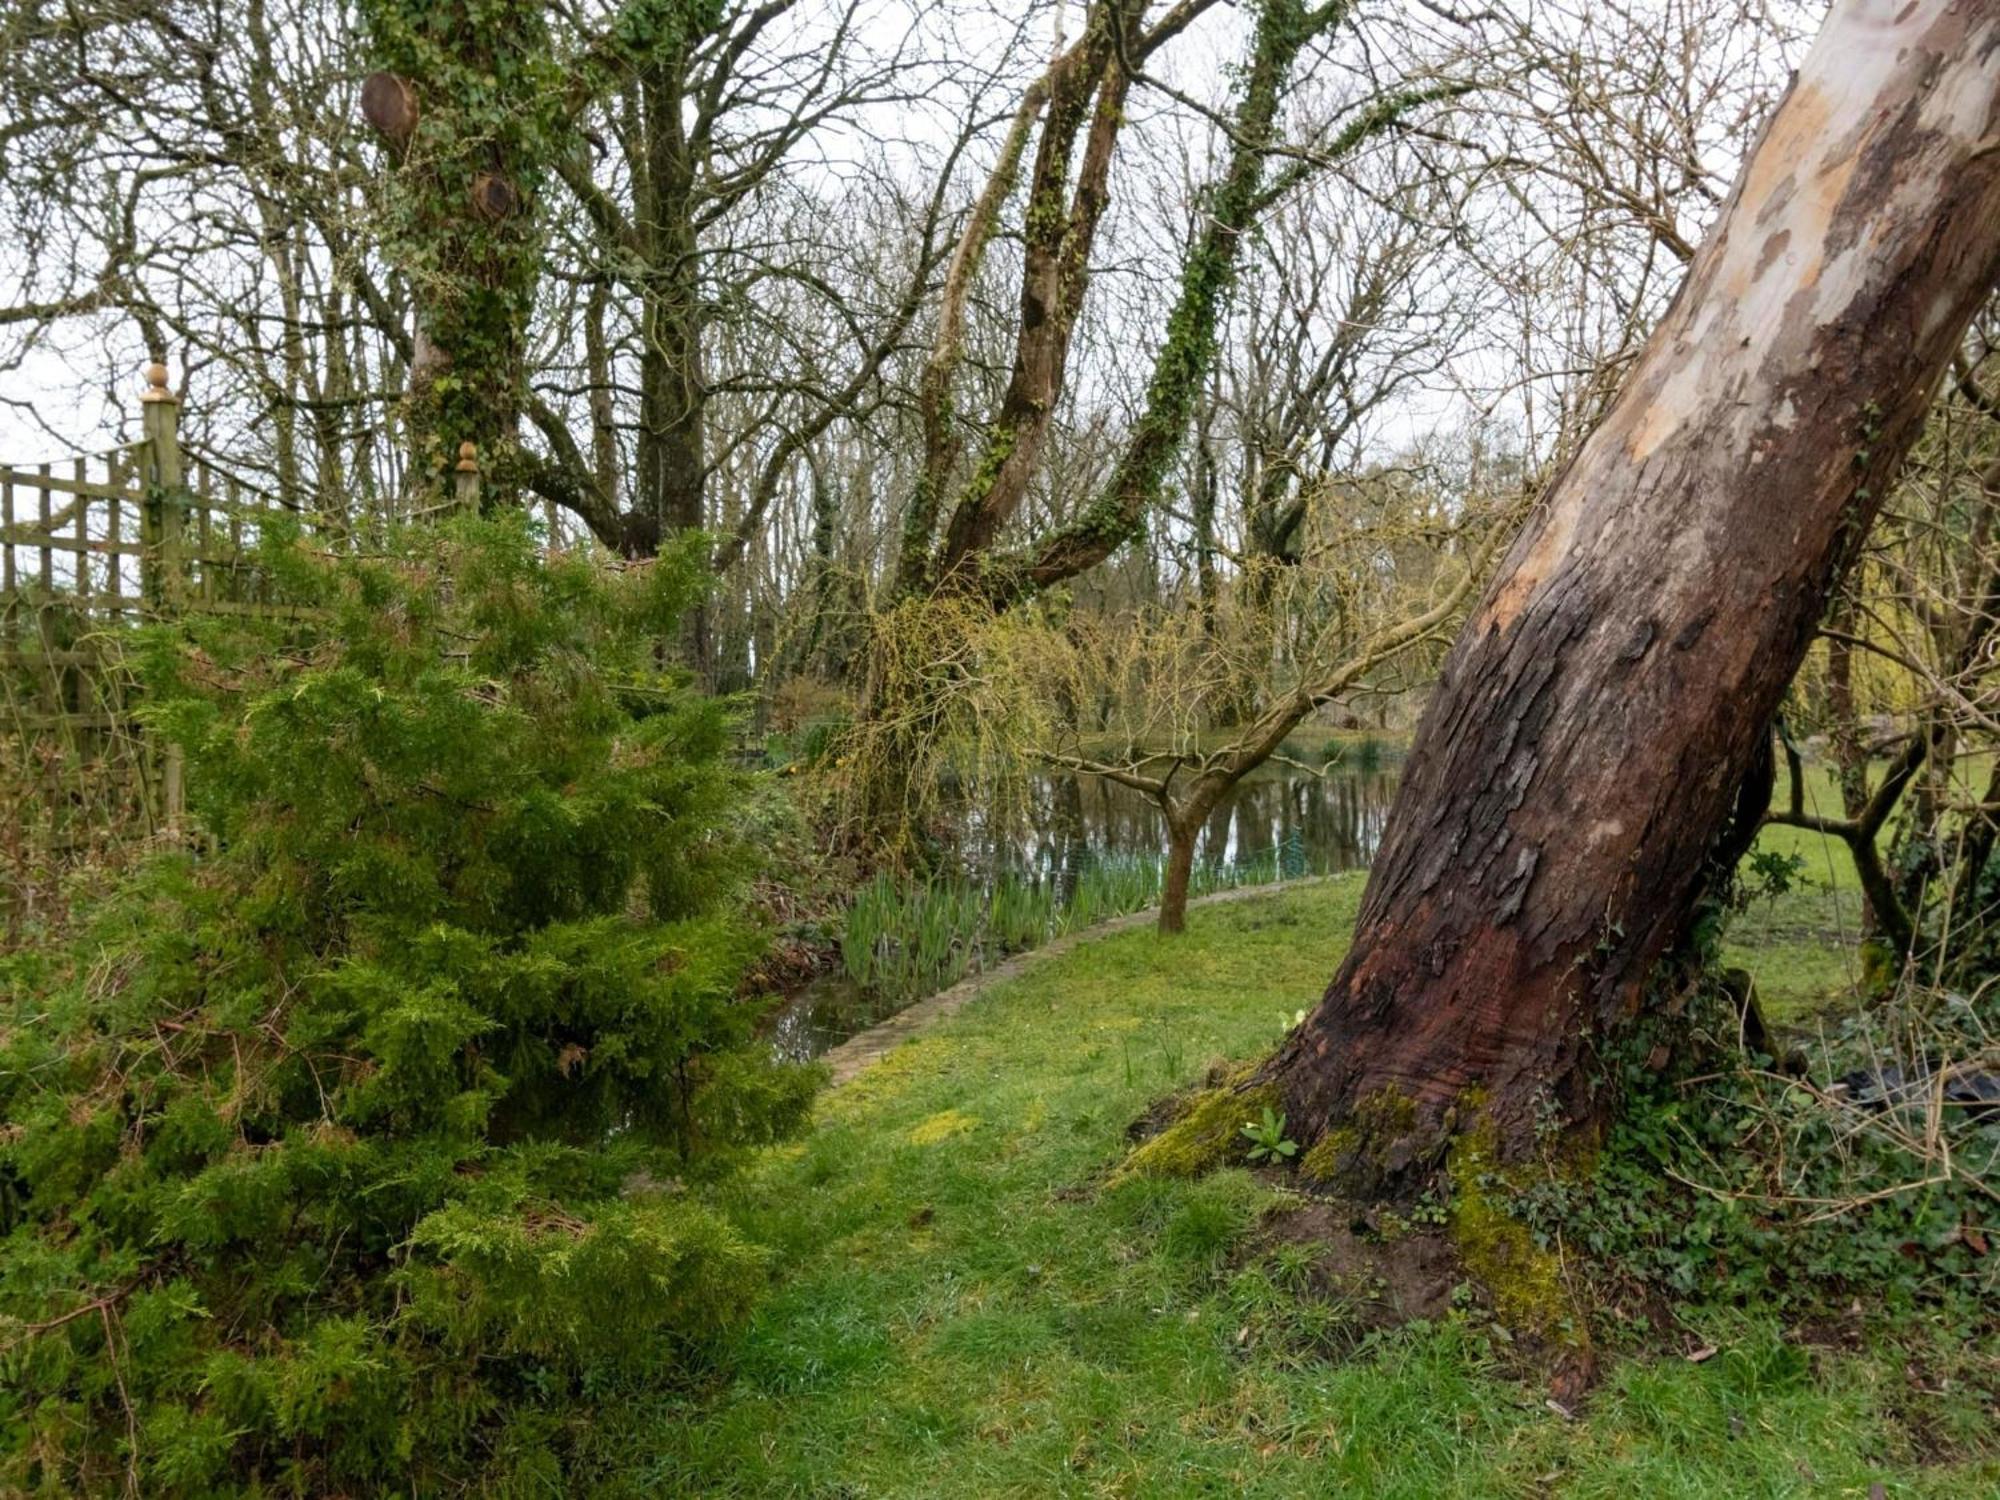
[1283,820]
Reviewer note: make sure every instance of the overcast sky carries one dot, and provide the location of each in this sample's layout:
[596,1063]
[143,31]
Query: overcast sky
[79,392]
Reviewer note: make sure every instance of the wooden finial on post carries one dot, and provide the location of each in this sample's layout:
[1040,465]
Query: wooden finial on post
[467,477]
[160,421]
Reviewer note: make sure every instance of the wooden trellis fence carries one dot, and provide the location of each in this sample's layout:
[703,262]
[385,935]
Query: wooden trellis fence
[88,549]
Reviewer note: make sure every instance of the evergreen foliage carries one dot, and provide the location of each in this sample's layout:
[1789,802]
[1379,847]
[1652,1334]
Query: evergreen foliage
[352,1150]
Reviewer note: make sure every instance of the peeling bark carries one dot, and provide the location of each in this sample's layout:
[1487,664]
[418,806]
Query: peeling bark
[1556,823]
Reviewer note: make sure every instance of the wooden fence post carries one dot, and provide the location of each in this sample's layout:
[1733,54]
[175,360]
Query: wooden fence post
[160,416]
[161,563]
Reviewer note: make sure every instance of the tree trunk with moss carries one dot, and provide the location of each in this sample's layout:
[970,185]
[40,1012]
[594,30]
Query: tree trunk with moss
[1558,823]
[468,106]
[1083,97]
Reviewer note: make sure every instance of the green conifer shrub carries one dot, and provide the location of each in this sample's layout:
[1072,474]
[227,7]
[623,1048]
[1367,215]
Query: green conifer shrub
[357,1149]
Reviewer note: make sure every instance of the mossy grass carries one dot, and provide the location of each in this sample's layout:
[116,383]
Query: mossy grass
[966,1303]
[904,938]
[1205,1130]
[1523,1278]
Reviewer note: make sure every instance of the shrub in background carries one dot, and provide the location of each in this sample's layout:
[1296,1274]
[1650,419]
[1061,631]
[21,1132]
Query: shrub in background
[341,1156]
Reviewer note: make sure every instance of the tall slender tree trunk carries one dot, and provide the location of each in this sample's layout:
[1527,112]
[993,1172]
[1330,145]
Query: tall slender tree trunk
[1557,822]
[670,478]
[673,406]
[1850,750]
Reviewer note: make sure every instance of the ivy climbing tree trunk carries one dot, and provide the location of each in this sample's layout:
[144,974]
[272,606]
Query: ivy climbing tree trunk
[971,565]
[1556,826]
[469,106]
[1231,209]
[673,396]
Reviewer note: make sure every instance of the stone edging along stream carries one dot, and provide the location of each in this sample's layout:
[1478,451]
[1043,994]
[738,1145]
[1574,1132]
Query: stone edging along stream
[866,1048]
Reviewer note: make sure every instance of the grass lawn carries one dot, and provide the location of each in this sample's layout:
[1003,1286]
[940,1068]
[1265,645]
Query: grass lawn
[962,1307]
[1802,947]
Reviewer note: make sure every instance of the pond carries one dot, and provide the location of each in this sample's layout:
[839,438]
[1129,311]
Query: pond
[1072,850]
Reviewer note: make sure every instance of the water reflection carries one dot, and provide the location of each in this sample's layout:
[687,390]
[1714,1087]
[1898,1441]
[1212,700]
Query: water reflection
[1055,827]
[1059,824]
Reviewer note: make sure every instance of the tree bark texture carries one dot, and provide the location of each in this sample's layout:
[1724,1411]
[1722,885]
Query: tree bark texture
[1558,821]
[1055,254]
[1181,834]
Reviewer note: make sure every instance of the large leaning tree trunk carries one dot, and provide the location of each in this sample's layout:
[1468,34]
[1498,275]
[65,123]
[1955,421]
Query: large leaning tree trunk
[1576,770]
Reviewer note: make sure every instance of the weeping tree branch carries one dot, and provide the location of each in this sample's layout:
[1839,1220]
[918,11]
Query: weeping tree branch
[1215,773]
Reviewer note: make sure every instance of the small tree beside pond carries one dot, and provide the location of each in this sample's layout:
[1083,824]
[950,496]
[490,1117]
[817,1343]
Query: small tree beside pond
[1371,618]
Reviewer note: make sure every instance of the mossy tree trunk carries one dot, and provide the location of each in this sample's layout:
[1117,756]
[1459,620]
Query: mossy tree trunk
[1557,823]
[467,106]
[1082,105]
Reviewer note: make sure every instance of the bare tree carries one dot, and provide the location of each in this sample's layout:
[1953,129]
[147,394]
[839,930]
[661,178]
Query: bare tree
[1362,634]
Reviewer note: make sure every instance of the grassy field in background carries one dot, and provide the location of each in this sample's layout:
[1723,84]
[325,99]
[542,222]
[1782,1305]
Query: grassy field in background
[1801,946]
[963,1306]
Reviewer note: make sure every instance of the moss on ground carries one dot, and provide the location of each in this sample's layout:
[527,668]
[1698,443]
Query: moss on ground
[1524,1280]
[1206,1131]
[942,1126]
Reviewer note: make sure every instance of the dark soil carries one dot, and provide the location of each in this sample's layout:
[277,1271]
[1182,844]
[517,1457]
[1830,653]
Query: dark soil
[1387,1273]
[1387,1281]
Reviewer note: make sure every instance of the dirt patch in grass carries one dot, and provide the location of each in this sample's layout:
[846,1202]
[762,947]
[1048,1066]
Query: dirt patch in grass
[1384,1277]
[1947,1417]
[1385,1283]
[1943,1401]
